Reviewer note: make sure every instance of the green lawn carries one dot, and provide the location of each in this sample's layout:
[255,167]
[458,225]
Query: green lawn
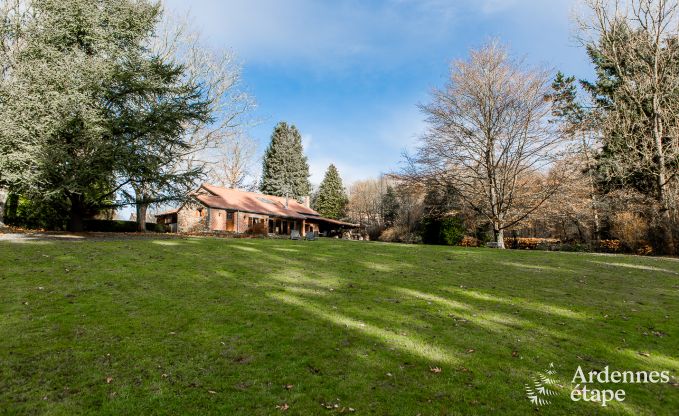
[234,326]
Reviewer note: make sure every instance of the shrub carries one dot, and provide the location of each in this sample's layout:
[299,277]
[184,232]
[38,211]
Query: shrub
[529,243]
[374,232]
[400,234]
[645,250]
[446,231]
[609,246]
[631,229]
[468,241]
[35,214]
[575,247]
[389,235]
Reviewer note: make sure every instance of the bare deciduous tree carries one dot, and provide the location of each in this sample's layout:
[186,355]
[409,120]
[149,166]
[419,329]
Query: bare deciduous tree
[365,202]
[219,72]
[489,138]
[234,162]
[635,42]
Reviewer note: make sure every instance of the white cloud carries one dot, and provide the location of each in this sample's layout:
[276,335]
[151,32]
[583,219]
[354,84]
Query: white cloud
[327,32]
[337,33]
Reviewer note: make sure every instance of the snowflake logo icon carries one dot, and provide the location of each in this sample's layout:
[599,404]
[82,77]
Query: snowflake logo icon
[540,391]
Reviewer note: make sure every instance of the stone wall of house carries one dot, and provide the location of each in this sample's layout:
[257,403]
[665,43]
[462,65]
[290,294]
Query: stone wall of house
[217,219]
[192,218]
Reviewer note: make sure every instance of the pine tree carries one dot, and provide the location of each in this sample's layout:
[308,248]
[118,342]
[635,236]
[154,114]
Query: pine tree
[390,206]
[331,200]
[285,171]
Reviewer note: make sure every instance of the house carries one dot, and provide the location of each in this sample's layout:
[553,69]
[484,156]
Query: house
[215,209]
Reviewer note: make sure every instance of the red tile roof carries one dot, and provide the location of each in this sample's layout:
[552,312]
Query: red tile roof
[234,199]
[170,212]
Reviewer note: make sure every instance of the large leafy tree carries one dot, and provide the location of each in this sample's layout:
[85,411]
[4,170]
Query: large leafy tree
[55,144]
[331,199]
[90,111]
[149,110]
[285,171]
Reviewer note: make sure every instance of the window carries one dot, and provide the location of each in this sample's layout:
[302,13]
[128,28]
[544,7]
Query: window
[229,215]
[265,200]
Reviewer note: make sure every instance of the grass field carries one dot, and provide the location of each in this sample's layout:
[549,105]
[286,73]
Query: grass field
[255,327]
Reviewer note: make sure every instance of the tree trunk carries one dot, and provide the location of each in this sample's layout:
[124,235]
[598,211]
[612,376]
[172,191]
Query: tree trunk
[142,207]
[592,189]
[499,233]
[11,208]
[3,198]
[75,221]
[663,185]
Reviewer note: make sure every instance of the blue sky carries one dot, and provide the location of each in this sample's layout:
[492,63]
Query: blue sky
[350,73]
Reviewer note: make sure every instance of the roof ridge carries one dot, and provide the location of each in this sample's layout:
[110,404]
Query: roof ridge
[246,192]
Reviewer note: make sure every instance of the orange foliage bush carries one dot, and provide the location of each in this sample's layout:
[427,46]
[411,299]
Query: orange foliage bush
[609,246]
[525,243]
[631,229]
[468,241]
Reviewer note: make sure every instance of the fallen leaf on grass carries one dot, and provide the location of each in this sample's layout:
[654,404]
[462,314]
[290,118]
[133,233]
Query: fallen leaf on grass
[282,407]
[212,392]
[471,350]
[515,353]
[109,380]
[288,387]
[435,370]
[645,354]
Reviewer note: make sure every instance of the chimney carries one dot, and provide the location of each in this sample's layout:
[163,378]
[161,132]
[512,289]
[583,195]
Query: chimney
[307,201]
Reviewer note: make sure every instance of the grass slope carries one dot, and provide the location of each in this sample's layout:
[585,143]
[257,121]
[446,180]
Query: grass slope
[213,326]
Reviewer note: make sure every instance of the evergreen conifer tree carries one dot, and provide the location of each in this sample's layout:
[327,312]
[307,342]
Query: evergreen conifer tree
[285,171]
[390,206]
[331,200]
